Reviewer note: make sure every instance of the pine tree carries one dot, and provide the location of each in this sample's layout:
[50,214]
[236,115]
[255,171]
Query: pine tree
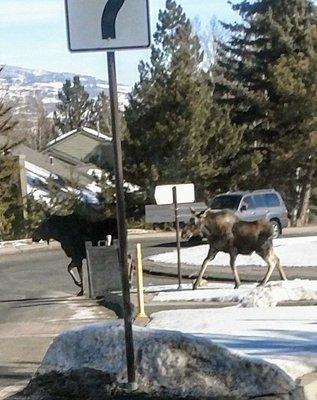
[247,82]
[75,107]
[101,116]
[42,130]
[175,133]
[11,216]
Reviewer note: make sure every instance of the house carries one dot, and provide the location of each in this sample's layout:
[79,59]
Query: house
[39,167]
[81,147]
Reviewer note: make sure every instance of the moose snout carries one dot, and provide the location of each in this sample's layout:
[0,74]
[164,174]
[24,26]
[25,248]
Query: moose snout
[185,234]
[35,237]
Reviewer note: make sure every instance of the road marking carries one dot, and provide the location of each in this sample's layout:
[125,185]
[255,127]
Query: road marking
[10,390]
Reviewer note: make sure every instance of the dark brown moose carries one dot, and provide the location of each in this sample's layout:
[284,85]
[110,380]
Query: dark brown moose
[225,232]
[72,231]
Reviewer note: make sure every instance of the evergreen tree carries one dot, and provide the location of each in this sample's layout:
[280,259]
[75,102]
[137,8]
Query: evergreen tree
[75,107]
[175,133]
[101,116]
[11,215]
[42,130]
[248,82]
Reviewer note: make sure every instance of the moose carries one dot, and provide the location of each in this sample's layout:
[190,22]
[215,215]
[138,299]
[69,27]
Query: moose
[225,232]
[72,231]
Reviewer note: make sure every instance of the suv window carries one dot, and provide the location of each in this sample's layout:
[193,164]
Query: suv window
[272,200]
[259,200]
[226,201]
[249,202]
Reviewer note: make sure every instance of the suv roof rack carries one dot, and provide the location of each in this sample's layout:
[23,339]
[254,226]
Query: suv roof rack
[250,191]
[262,190]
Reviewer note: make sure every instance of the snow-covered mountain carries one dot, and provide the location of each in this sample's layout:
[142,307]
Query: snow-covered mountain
[23,87]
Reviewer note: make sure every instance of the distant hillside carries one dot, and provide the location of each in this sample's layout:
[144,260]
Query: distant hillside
[23,87]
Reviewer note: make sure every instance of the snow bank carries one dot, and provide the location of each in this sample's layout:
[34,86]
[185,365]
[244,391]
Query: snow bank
[285,336]
[247,295]
[275,292]
[293,252]
[168,363]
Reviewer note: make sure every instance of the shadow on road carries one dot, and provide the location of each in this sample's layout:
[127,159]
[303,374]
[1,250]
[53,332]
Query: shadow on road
[173,244]
[39,299]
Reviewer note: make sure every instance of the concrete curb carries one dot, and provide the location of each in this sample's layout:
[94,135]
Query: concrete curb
[26,248]
[250,273]
[12,390]
[308,385]
[26,245]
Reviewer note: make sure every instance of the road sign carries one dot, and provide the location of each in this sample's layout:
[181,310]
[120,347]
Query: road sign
[94,25]
[185,193]
[165,213]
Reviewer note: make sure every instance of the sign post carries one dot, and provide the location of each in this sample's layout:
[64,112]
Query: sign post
[175,194]
[121,218]
[102,25]
[178,243]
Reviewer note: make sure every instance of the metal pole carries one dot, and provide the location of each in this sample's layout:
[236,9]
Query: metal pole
[177,238]
[121,218]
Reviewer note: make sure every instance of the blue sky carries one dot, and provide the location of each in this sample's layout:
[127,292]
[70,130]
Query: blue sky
[33,35]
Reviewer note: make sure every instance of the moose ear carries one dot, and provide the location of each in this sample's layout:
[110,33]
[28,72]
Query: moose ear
[193,211]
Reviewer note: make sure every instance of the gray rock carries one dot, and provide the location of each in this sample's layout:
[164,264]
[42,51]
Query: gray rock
[168,363]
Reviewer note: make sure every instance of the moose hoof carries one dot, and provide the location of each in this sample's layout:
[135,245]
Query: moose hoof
[81,293]
[236,286]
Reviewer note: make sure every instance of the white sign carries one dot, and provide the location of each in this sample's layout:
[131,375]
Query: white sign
[94,25]
[185,193]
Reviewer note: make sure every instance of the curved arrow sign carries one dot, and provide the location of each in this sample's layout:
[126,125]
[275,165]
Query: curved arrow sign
[96,25]
[109,16]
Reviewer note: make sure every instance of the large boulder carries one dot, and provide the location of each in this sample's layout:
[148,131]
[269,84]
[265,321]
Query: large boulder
[169,364]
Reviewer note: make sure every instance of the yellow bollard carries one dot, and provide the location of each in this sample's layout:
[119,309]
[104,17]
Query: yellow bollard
[139,277]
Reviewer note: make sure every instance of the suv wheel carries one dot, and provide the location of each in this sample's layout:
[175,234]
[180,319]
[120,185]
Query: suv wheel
[276,229]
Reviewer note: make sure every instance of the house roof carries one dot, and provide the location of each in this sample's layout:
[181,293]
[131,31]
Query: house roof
[79,145]
[85,131]
[58,167]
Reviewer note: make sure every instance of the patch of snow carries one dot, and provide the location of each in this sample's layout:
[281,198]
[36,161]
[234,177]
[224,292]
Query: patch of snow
[293,252]
[34,170]
[97,134]
[50,100]
[103,85]
[248,295]
[61,137]
[284,336]
[54,85]
[94,188]
[95,172]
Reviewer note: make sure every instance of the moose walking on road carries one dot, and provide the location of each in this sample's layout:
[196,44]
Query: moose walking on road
[225,232]
[72,231]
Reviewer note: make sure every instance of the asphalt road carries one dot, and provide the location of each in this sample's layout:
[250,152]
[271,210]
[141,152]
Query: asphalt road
[37,301]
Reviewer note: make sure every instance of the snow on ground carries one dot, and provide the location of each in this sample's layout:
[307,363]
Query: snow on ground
[293,252]
[285,336]
[248,295]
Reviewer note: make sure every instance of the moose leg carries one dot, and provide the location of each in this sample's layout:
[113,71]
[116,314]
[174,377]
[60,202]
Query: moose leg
[233,257]
[281,270]
[272,261]
[210,256]
[80,273]
[70,268]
